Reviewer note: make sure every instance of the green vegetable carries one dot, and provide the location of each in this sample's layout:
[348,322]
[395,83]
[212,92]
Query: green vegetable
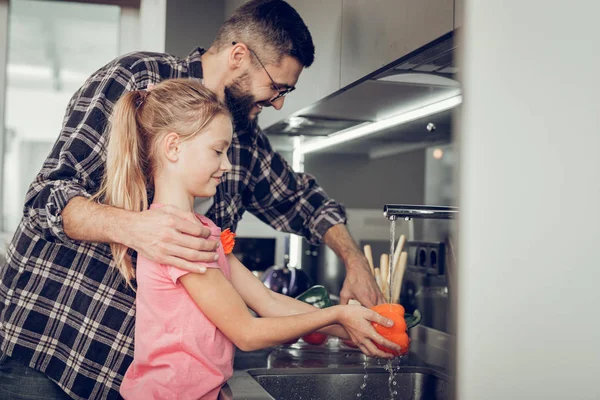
[413,320]
[317,296]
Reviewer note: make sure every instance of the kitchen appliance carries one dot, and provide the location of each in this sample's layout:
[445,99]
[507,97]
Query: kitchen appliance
[324,267]
[425,285]
[288,281]
[425,76]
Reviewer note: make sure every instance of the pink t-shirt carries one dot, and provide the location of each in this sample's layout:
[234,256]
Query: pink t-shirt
[179,353]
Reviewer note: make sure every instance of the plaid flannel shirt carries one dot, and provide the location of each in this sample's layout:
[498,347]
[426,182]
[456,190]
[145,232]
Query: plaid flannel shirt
[63,310]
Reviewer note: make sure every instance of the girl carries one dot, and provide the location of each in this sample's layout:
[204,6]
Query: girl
[173,140]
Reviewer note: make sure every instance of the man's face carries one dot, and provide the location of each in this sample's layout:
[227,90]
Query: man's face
[252,90]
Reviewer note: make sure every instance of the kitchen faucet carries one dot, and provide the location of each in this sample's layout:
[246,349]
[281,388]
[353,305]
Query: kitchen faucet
[395,211]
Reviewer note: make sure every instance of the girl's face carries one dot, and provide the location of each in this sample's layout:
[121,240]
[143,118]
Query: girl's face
[203,159]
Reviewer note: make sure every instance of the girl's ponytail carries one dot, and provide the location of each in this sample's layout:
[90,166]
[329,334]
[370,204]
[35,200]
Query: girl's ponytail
[125,183]
[139,120]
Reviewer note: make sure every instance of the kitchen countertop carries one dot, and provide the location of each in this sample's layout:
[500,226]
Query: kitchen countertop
[429,349]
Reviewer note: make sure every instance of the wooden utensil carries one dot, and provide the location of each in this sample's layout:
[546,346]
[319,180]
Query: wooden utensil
[398,251]
[377,275]
[384,264]
[369,256]
[398,277]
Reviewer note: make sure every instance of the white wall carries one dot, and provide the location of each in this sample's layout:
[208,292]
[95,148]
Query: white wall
[153,25]
[529,325]
[359,182]
[3,58]
[192,23]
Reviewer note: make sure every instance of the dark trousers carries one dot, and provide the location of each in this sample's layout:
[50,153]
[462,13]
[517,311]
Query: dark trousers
[19,382]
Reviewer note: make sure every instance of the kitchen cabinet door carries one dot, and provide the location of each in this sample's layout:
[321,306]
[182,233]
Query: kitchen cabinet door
[459,9]
[377,32]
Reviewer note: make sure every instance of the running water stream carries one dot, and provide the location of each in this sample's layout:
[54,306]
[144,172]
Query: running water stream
[389,366]
[392,384]
[364,384]
[391,260]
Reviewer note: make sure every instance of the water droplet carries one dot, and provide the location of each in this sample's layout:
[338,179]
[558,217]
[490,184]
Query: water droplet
[394,383]
[365,376]
[394,392]
[364,385]
[358,394]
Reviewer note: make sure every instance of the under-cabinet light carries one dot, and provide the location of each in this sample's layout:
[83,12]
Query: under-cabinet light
[372,127]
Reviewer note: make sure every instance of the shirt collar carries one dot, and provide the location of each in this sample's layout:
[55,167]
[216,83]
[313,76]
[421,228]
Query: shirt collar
[194,61]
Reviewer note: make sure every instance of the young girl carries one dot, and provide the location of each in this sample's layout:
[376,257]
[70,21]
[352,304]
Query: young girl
[173,140]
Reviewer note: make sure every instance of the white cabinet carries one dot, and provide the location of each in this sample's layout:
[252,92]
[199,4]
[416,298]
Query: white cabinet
[377,32]
[459,10]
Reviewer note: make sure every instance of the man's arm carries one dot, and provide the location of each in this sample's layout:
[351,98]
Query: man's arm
[166,235]
[359,283]
[295,203]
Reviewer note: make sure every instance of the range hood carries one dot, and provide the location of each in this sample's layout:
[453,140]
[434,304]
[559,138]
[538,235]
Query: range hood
[423,77]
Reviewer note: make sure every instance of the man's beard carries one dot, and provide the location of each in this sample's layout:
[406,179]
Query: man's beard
[240,104]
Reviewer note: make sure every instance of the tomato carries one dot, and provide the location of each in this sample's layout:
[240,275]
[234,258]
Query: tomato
[315,338]
[396,333]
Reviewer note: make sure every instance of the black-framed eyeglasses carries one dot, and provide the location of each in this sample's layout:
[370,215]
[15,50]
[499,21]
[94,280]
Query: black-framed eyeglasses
[282,92]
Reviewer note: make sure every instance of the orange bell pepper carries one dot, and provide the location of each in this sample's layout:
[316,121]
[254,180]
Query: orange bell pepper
[396,333]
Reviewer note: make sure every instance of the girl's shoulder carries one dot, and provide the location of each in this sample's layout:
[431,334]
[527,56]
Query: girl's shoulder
[214,229]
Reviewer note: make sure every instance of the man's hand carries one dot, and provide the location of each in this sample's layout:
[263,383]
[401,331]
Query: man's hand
[360,284]
[165,235]
[168,235]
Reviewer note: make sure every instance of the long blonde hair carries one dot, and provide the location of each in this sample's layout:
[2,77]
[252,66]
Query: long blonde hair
[140,119]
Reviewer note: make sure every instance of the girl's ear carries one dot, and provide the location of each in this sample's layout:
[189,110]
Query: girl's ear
[171,146]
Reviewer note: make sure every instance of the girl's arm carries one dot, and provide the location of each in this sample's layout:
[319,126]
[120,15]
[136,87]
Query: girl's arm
[222,304]
[268,303]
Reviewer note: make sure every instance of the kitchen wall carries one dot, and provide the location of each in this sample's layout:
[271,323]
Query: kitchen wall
[152,25]
[3,65]
[191,24]
[529,193]
[360,182]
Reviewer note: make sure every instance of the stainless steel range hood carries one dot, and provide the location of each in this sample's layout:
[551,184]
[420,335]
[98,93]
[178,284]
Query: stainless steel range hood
[425,76]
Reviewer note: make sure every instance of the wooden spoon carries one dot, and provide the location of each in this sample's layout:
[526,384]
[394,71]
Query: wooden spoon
[369,256]
[398,277]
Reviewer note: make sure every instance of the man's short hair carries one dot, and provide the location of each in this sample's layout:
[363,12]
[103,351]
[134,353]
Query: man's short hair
[272,28]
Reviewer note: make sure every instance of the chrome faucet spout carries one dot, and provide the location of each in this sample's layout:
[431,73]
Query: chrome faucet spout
[395,211]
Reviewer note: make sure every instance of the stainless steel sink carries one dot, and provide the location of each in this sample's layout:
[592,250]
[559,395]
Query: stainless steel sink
[345,383]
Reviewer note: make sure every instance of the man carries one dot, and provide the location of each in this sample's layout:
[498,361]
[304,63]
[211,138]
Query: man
[64,312]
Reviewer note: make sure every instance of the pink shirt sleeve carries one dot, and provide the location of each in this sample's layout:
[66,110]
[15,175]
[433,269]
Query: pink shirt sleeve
[175,273]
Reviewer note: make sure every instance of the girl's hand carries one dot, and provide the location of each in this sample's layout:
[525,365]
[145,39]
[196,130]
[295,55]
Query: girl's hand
[357,322]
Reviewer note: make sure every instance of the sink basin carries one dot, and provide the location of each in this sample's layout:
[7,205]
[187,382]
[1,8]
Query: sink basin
[345,383]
